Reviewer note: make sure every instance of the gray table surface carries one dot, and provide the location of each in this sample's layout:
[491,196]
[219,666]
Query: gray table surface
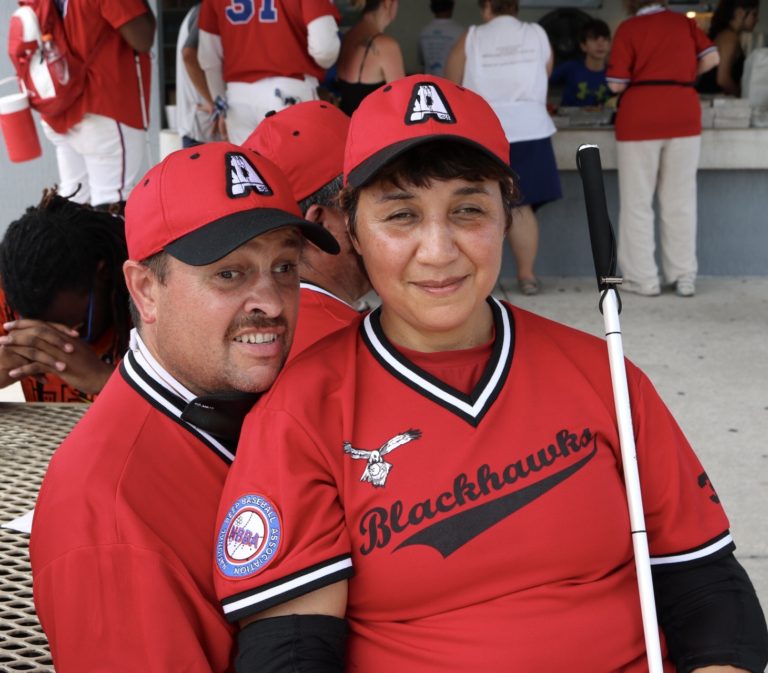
[29,434]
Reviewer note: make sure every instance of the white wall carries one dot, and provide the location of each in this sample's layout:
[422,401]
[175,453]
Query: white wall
[21,184]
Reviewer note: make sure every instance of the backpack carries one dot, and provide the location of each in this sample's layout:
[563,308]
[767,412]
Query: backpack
[52,74]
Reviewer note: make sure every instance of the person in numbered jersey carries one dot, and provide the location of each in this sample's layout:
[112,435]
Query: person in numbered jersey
[262,55]
[438,486]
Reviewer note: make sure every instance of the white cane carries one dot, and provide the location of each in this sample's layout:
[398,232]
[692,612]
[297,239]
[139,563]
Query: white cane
[144,110]
[604,254]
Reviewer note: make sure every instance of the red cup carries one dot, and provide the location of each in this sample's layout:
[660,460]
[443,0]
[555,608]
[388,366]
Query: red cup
[18,128]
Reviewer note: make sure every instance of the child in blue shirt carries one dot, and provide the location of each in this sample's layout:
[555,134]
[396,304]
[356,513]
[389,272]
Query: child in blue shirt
[584,81]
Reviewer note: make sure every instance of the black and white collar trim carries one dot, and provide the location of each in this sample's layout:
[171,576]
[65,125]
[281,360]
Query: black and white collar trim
[153,382]
[307,285]
[470,407]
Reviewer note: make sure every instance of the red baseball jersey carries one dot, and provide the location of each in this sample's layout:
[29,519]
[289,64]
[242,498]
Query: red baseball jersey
[121,538]
[320,313]
[486,530]
[267,38]
[657,45]
[54,388]
[112,84]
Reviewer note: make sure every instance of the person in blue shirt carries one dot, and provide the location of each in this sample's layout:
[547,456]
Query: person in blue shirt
[583,82]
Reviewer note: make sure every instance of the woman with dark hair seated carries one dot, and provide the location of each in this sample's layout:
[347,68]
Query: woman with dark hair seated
[63,300]
[442,479]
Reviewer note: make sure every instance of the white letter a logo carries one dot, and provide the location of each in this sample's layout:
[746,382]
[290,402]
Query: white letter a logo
[243,178]
[427,101]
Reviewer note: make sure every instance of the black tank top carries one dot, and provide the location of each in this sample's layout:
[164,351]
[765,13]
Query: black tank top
[352,93]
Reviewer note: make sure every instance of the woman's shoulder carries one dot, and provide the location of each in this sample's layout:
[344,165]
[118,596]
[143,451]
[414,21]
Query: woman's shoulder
[383,43]
[727,37]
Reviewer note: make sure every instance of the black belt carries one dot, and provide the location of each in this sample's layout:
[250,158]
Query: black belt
[661,82]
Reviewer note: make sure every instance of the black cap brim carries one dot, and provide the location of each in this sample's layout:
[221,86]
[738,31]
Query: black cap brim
[217,239]
[366,171]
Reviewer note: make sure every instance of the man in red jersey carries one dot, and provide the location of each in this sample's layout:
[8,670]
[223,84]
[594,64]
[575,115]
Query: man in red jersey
[306,141]
[121,540]
[261,56]
[100,139]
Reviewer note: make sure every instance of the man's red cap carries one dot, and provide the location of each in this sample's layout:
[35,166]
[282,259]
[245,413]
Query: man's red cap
[201,203]
[414,110]
[306,141]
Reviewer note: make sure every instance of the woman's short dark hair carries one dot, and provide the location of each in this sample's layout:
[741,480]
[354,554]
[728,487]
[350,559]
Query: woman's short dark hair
[724,13]
[436,160]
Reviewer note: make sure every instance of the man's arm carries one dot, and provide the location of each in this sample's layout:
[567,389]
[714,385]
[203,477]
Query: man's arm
[210,56]
[323,42]
[139,33]
[197,76]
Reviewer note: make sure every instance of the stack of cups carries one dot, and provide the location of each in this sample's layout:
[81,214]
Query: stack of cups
[18,126]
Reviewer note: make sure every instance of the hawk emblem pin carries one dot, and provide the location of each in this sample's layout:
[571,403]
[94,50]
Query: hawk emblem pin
[377,469]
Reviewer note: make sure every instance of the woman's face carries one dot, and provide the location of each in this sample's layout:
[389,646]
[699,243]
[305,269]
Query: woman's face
[433,254]
[746,19]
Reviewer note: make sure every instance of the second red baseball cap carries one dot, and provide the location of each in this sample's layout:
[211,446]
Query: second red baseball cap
[414,110]
[306,141]
[201,203]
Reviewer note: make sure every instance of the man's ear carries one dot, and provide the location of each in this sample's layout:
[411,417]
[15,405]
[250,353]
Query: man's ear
[316,214]
[142,285]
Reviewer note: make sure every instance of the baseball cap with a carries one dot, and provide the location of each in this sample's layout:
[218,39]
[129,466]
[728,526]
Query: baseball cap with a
[306,141]
[414,110]
[201,203]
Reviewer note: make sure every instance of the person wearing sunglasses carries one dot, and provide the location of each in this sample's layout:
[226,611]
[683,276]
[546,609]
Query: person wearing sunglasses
[63,300]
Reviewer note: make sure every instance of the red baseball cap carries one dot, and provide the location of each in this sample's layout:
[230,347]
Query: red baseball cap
[201,203]
[414,110]
[306,141]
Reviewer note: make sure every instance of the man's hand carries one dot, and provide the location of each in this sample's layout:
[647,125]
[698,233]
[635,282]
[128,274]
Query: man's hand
[34,347]
[221,128]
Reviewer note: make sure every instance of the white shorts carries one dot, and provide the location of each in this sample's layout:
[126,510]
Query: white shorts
[101,155]
[249,102]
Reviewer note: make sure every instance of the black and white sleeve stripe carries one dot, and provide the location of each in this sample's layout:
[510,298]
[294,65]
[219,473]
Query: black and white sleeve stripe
[286,588]
[720,546]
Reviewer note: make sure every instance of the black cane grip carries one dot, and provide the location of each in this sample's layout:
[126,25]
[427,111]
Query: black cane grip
[600,230]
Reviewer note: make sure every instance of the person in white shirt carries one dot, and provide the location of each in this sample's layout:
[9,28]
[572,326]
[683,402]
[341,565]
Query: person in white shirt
[508,62]
[194,105]
[437,38]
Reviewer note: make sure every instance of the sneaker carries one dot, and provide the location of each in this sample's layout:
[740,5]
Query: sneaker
[685,288]
[529,286]
[647,290]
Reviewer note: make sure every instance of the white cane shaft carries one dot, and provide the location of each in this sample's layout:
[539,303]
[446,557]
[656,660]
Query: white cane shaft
[632,480]
[647,604]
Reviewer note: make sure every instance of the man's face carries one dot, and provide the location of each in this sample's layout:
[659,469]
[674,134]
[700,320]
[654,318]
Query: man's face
[229,325]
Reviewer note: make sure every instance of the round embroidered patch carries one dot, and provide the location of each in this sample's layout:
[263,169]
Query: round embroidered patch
[249,537]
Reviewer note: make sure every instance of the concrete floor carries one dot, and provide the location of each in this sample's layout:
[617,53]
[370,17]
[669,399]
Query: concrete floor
[708,358]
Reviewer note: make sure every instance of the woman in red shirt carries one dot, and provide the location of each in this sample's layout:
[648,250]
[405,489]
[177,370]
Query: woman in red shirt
[655,59]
